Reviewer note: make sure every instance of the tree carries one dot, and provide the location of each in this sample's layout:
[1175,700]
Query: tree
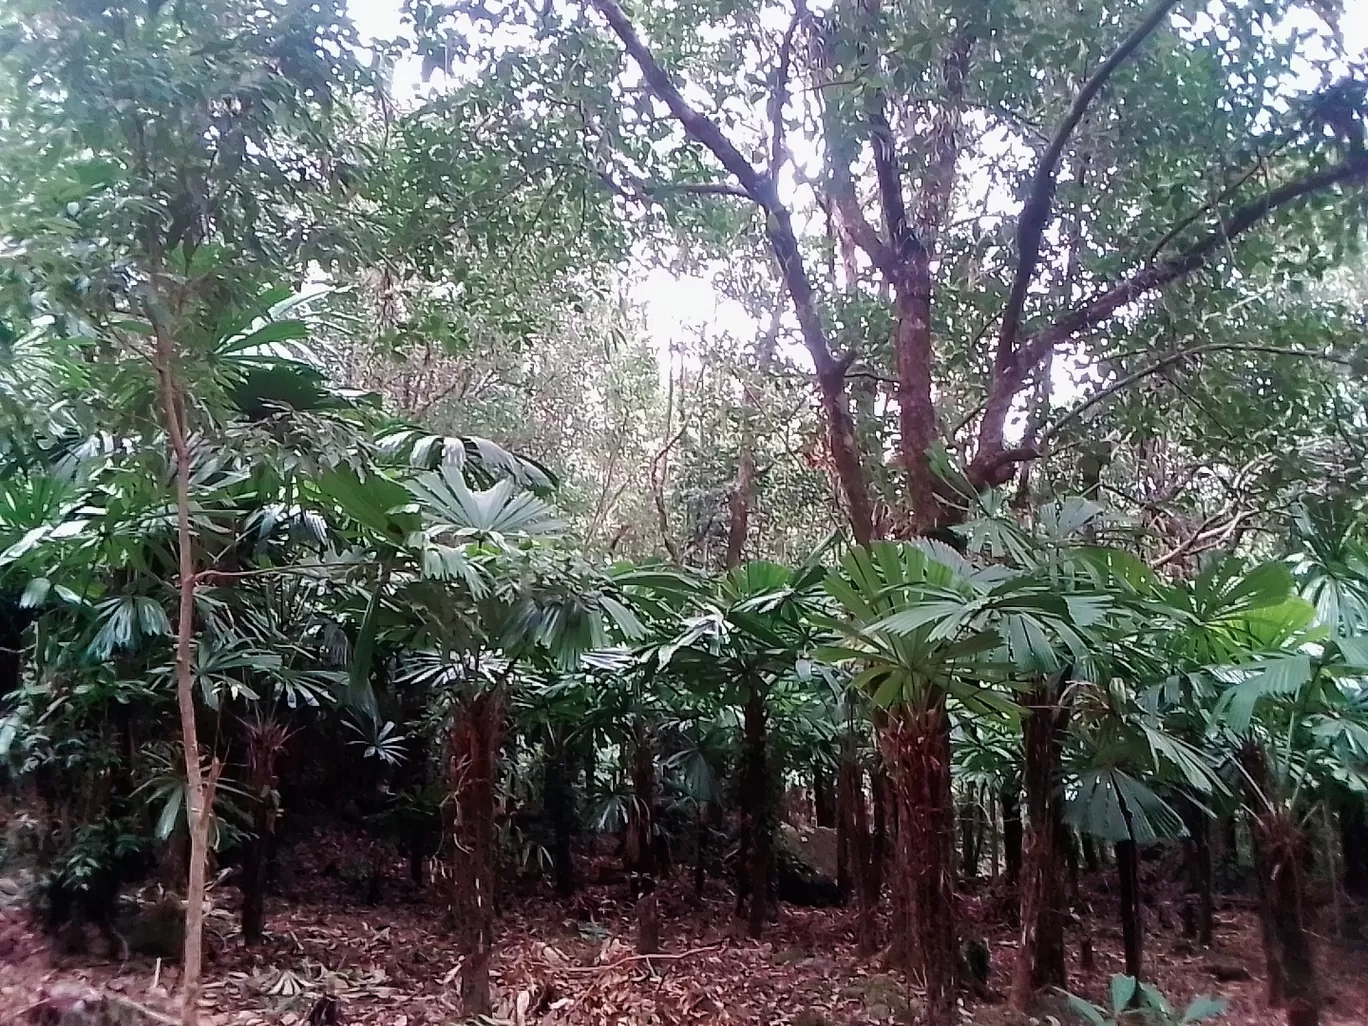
[929,631]
[745,643]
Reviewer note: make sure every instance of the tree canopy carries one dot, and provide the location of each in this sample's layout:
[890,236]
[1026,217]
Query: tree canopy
[1012,498]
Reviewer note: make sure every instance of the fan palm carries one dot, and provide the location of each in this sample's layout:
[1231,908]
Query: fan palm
[929,633]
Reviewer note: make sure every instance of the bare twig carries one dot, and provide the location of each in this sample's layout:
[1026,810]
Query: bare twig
[658,495]
[1203,539]
[1156,276]
[629,959]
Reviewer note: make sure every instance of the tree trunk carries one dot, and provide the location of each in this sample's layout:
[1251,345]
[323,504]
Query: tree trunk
[1268,930]
[991,808]
[476,728]
[254,872]
[560,807]
[1041,961]
[1230,840]
[969,856]
[850,783]
[916,744]
[1128,869]
[648,922]
[843,881]
[1197,857]
[14,620]
[200,789]
[590,769]
[641,860]
[761,819]
[1090,853]
[743,487]
[823,801]
[879,834]
[1279,847]
[265,741]
[700,850]
[1010,799]
[1354,842]
[1206,907]
[1279,852]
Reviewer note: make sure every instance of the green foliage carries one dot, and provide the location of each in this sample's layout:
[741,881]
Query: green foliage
[1132,1000]
[478,520]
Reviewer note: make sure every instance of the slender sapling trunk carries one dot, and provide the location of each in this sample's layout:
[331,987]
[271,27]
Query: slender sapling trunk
[850,784]
[200,788]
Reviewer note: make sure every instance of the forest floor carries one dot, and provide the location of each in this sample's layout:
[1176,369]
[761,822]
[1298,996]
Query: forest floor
[394,963]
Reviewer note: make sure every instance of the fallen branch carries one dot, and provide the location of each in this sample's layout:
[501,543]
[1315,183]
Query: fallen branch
[81,1005]
[627,959]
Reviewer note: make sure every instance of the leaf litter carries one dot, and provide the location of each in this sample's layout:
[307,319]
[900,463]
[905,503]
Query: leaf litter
[573,963]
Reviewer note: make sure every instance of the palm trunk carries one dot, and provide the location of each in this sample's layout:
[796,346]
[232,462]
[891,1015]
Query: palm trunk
[475,732]
[1354,842]
[560,809]
[850,782]
[1090,860]
[823,804]
[758,792]
[916,743]
[1280,849]
[1010,798]
[1198,850]
[1274,989]
[700,851]
[843,878]
[1128,868]
[641,863]
[968,824]
[880,831]
[264,743]
[1040,959]
[991,807]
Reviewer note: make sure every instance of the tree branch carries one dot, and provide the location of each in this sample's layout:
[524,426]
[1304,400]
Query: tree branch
[658,496]
[779,98]
[851,221]
[783,241]
[1036,212]
[886,169]
[1156,276]
[647,190]
[933,199]
[694,123]
[1204,538]
[1212,347]
[1008,381]
[1184,223]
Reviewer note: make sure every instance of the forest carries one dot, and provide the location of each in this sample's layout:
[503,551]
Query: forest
[812,512]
